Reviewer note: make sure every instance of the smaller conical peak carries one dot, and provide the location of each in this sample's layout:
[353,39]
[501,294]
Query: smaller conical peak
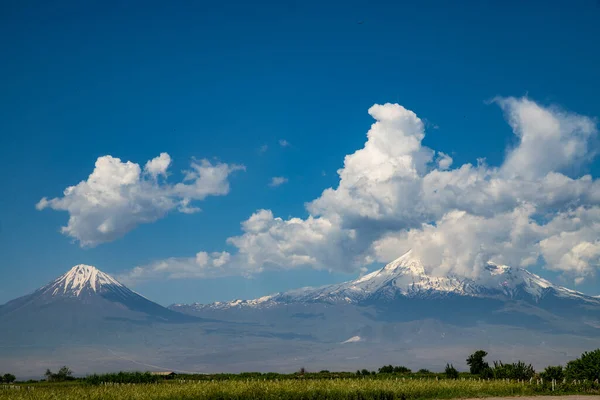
[82,278]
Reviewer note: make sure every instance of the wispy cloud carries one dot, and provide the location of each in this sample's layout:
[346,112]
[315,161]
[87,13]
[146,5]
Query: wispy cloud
[263,149]
[277,181]
[284,143]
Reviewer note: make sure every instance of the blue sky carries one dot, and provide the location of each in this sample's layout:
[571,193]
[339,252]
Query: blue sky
[218,81]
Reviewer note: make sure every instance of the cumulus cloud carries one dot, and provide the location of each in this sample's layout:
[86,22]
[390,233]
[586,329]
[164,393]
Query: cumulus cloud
[118,196]
[284,143]
[396,194]
[277,181]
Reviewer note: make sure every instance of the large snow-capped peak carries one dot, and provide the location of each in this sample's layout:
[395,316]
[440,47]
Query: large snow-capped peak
[82,280]
[407,277]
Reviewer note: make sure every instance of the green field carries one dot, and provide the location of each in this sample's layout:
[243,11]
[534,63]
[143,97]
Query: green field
[357,388]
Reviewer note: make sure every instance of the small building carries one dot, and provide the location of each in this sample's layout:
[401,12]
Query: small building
[165,374]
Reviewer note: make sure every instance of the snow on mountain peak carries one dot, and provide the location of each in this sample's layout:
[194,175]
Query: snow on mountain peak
[406,277]
[82,278]
[407,263]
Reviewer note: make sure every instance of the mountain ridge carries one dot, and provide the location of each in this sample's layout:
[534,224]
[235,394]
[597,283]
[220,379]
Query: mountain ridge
[406,277]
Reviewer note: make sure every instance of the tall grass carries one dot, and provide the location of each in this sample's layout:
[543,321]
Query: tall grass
[337,389]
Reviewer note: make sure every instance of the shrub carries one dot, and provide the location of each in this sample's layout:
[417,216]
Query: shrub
[63,374]
[585,367]
[553,372]
[424,371]
[518,370]
[123,377]
[487,373]
[390,369]
[386,369]
[451,372]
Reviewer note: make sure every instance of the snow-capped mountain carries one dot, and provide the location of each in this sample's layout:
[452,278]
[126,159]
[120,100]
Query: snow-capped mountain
[82,300]
[84,281]
[406,278]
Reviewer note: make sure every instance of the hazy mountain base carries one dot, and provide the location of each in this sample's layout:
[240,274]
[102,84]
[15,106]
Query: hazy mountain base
[196,348]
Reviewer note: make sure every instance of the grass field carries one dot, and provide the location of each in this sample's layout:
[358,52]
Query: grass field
[356,389]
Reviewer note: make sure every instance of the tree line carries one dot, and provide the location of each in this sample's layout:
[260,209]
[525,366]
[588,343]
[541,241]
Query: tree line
[586,367]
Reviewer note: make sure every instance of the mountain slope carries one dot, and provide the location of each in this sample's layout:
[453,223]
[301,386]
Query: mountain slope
[84,304]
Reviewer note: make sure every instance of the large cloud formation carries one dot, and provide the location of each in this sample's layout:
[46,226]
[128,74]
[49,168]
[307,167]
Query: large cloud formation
[118,196]
[395,194]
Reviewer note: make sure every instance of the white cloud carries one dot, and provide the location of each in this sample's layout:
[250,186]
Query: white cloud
[284,143]
[550,140]
[393,194]
[263,149]
[443,160]
[118,196]
[158,166]
[277,181]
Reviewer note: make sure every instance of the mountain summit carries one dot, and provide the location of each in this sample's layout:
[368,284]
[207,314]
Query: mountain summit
[84,280]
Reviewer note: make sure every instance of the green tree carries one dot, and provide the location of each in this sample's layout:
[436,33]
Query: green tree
[585,367]
[451,372]
[64,373]
[49,375]
[476,362]
[8,378]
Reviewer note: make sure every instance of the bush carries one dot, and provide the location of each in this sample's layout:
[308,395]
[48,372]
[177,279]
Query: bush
[423,371]
[487,373]
[553,372]
[518,370]
[63,374]
[451,372]
[386,369]
[476,363]
[585,367]
[123,377]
